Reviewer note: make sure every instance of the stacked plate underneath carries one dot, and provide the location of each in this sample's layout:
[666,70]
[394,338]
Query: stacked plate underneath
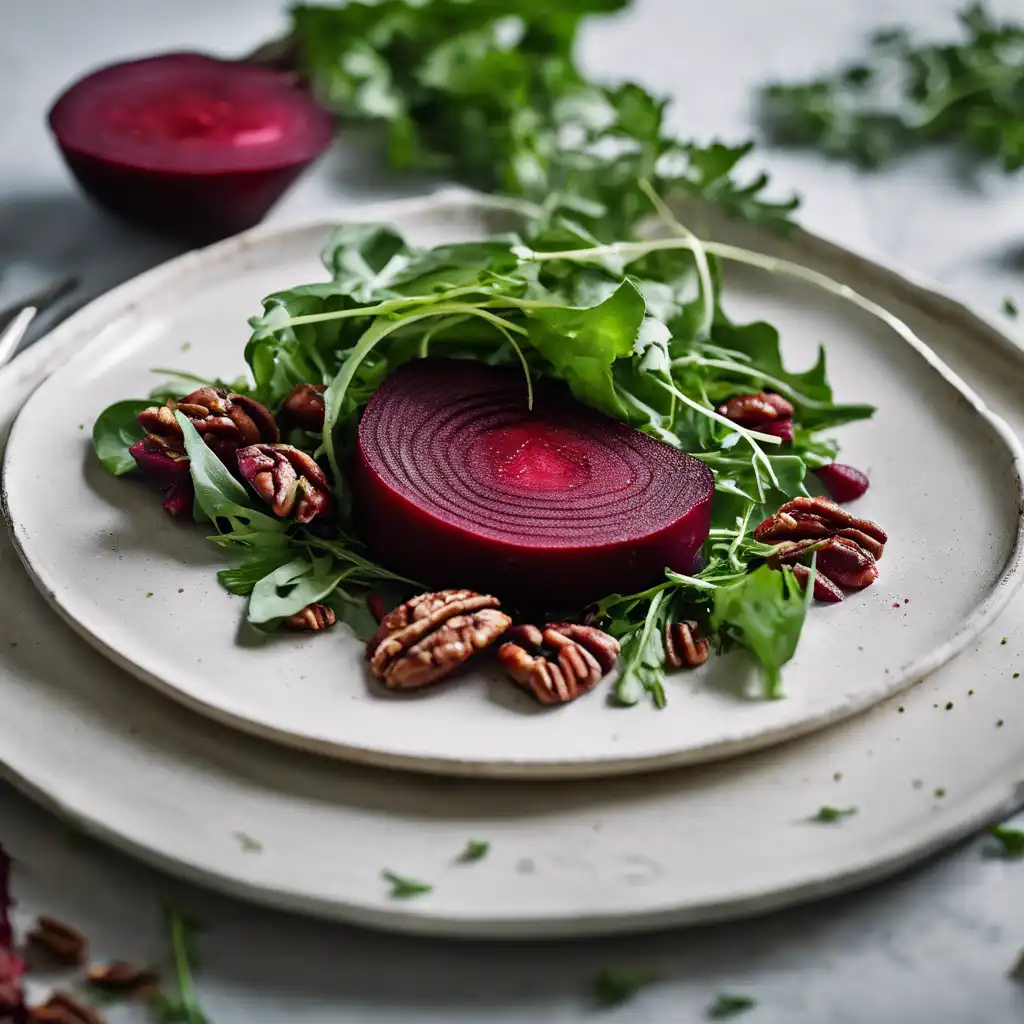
[279,773]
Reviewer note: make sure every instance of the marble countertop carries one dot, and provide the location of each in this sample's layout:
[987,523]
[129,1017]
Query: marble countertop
[934,945]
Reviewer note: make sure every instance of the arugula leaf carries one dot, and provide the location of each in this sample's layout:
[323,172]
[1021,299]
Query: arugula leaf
[405,888]
[583,344]
[360,256]
[116,429]
[475,850]
[1011,840]
[289,588]
[905,96]
[765,613]
[808,391]
[726,1006]
[492,95]
[614,986]
[241,578]
[222,500]
[831,814]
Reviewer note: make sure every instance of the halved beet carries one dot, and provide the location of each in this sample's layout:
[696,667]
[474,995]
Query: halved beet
[188,144]
[457,483]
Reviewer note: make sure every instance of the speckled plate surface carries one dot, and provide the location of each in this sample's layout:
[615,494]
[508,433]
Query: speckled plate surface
[945,485]
[567,858]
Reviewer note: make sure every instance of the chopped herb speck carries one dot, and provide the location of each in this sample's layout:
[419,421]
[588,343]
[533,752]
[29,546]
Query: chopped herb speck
[1016,675]
[949,705]
[729,1006]
[901,710]
[249,845]
[999,724]
[1012,840]
[917,783]
[1010,308]
[837,776]
[614,986]
[970,693]
[405,888]
[833,813]
[475,850]
[940,793]
[1003,641]
[149,593]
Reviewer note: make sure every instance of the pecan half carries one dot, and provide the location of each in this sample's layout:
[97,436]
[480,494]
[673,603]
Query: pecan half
[428,637]
[814,517]
[847,547]
[685,644]
[119,976]
[226,421]
[304,407]
[312,618]
[756,410]
[64,1008]
[560,662]
[59,941]
[287,479]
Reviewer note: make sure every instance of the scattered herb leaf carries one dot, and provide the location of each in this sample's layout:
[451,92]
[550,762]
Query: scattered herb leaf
[181,1004]
[475,850]
[829,814]
[614,986]
[726,1006]
[1011,840]
[1010,308]
[405,888]
[248,843]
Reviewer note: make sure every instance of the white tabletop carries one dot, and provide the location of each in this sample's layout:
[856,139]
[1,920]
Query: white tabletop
[934,945]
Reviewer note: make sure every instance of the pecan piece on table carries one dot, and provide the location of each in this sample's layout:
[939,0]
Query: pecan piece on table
[560,662]
[430,636]
[64,1008]
[122,977]
[226,421]
[287,479]
[847,547]
[59,941]
[304,407]
[685,644]
[312,618]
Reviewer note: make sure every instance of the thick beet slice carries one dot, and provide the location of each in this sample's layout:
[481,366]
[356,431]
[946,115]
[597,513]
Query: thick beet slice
[457,483]
[188,144]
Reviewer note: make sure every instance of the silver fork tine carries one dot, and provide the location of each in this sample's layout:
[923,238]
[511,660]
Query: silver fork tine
[11,337]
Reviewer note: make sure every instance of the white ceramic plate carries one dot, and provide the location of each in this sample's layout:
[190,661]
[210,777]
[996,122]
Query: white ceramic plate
[945,485]
[568,858]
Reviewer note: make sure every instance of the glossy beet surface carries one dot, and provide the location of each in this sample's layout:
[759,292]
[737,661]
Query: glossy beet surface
[188,144]
[457,483]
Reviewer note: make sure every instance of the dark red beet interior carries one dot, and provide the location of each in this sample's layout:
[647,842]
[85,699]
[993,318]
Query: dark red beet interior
[457,483]
[186,143]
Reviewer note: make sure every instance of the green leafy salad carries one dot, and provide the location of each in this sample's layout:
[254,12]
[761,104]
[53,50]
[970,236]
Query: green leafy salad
[582,290]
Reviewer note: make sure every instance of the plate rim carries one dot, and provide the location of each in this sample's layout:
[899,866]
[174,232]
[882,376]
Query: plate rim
[1001,592]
